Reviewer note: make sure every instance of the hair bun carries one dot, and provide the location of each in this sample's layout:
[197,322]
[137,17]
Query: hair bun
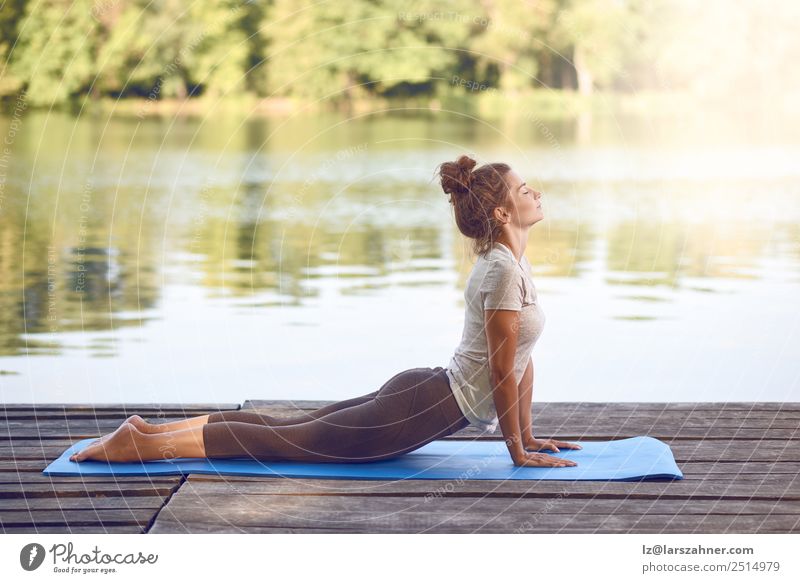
[456,177]
[466,164]
[475,194]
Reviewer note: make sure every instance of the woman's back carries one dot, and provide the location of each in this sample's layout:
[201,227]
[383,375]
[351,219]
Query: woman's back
[497,282]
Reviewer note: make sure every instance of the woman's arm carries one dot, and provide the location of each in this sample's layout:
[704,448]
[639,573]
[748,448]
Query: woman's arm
[526,426]
[525,401]
[501,335]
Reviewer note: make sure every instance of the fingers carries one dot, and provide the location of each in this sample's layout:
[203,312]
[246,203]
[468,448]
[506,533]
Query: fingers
[557,461]
[561,464]
[544,460]
[548,460]
[551,445]
[566,445]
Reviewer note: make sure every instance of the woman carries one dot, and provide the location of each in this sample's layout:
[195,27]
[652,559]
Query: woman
[490,371]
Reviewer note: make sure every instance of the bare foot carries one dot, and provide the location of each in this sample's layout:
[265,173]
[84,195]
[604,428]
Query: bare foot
[141,424]
[126,444]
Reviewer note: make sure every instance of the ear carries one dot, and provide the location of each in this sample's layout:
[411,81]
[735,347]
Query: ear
[501,214]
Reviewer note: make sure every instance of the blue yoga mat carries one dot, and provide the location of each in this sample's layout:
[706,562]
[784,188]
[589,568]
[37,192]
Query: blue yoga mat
[632,459]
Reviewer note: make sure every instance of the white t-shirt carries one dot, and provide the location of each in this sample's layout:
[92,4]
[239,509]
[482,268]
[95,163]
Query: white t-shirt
[497,282]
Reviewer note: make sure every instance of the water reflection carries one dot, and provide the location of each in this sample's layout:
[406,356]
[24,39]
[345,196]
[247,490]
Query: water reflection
[99,231]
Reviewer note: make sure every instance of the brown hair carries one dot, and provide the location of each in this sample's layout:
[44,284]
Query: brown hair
[474,196]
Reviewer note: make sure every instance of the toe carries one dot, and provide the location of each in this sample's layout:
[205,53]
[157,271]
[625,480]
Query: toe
[83,454]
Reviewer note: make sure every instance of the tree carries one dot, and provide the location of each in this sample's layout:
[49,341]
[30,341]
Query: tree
[316,49]
[10,16]
[599,34]
[55,53]
[512,40]
[219,61]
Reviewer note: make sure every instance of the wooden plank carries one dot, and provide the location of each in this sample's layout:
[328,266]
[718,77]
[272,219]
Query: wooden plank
[198,512]
[99,529]
[34,448]
[699,425]
[35,445]
[780,428]
[118,502]
[742,474]
[699,417]
[69,517]
[134,407]
[643,425]
[22,465]
[637,425]
[733,450]
[739,468]
[581,405]
[49,436]
[242,505]
[703,472]
[698,420]
[119,416]
[39,478]
[31,502]
[9,459]
[788,481]
[174,528]
[678,489]
[784,483]
[86,487]
[551,414]
[665,413]
[663,433]
[66,428]
[696,426]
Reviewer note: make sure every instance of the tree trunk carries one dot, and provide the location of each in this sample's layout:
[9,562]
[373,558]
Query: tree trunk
[585,78]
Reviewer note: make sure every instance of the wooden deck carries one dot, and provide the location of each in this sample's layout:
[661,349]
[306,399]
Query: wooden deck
[741,463]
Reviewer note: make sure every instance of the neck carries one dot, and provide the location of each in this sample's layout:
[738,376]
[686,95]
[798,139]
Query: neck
[515,242]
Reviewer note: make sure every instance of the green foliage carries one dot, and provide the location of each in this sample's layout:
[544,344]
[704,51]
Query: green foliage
[333,51]
[219,61]
[360,47]
[512,39]
[601,33]
[54,55]
[10,16]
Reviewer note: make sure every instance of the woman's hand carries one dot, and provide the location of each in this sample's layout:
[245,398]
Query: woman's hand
[541,460]
[530,442]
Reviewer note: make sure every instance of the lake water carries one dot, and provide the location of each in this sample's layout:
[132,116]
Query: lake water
[220,259]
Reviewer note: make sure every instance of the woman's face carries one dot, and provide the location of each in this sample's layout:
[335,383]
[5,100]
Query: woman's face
[526,202]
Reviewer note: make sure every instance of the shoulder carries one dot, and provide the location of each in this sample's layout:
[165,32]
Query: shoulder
[500,272]
[527,265]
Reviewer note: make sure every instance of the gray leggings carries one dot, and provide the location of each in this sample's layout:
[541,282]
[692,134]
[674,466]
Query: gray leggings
[414,407]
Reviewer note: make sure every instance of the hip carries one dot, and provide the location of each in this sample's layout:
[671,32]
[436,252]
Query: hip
[423,392]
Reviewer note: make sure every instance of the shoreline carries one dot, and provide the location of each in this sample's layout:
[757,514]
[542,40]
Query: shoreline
[489,103]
